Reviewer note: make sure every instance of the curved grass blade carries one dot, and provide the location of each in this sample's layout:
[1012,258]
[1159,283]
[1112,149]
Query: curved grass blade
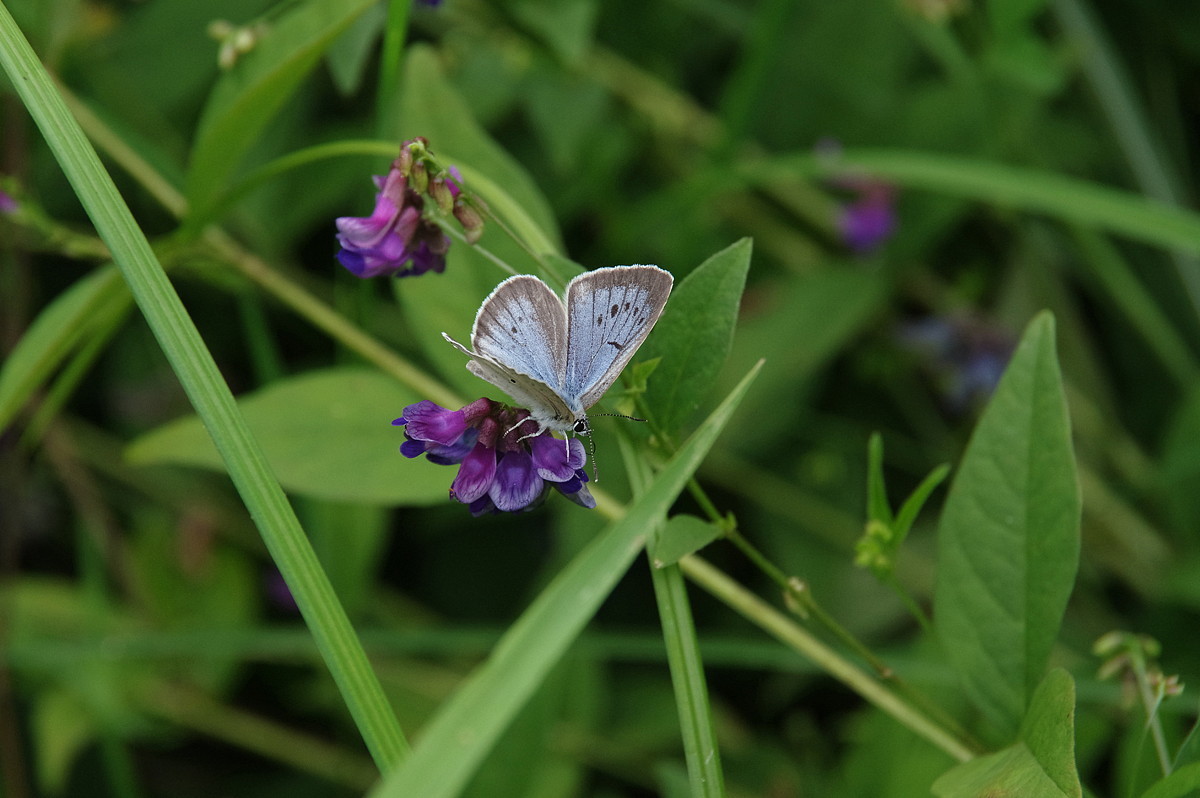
[194,365]
[1080,201]
[467,726]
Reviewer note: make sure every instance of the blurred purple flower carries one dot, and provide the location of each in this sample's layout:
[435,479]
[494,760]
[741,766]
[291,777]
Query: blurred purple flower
[870,220]
[396,239]
[967,357]
[498,470]
[7,203]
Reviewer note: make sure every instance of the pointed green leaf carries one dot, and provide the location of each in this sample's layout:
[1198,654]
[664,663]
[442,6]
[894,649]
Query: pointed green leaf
[694,335]
[878,508]
[1009,535]
[326,434]
[454,742]
[916,500]
[73,317]
[1181,783]
[248,95]
[1041,764]
[682,535]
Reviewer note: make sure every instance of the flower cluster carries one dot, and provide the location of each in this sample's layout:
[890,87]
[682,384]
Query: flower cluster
[400,238]
[499,470]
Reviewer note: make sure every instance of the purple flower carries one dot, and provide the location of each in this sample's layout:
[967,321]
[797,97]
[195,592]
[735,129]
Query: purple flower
[498,470]
[396,238]
[7,203]
[869,221]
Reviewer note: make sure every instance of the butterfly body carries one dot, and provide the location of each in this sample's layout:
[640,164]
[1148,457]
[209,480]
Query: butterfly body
[558,358]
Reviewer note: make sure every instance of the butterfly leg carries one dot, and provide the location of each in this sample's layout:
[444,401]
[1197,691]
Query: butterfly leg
[533,434]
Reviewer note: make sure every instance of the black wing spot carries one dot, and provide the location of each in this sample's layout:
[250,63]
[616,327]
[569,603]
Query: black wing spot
[614,309]
[599,321]
[626,306]
[512,330]
[618,346]
[510,379]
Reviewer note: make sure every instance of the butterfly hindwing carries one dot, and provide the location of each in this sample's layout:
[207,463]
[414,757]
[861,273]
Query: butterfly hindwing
[522,325]
[540,399]
[610,312]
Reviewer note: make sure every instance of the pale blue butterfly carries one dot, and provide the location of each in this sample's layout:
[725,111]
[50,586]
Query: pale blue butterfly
[558,359]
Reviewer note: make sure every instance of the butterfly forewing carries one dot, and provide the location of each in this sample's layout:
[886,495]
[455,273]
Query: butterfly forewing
[609,314]
[522,326]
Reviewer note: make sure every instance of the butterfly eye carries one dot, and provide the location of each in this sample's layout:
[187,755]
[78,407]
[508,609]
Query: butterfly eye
[581,427]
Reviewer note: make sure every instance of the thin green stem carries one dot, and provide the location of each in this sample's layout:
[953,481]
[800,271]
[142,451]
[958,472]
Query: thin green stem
[783,629]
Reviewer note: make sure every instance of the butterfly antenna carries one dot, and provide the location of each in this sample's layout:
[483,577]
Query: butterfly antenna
[592,449]
[621,415]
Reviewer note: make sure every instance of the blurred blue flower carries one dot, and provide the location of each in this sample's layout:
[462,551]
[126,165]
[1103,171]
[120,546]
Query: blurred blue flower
[396,239]
[498,470]
[966,356]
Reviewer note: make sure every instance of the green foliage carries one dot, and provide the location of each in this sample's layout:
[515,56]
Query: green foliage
[1023,164]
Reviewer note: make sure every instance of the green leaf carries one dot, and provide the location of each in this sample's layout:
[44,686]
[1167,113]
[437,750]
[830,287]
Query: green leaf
[1181,783]
[60,727]
[694,335]
[1041,764]
[457,738]
[1008,541]
[916,500]
[564,25]
[878,508]
[326,434]
[682,535]
[349,54]
[247,96]
[72,318]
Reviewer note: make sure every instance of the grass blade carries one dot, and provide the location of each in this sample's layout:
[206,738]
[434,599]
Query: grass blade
[193,364]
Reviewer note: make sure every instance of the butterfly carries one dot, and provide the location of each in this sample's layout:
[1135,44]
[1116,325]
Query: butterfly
[558,358]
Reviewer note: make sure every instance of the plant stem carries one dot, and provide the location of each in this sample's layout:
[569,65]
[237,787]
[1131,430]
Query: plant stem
[786,631]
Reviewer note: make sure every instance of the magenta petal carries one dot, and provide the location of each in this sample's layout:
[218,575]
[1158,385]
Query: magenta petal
[476,475]
[427,421]
[550,458]
[517,484]
[366,232]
